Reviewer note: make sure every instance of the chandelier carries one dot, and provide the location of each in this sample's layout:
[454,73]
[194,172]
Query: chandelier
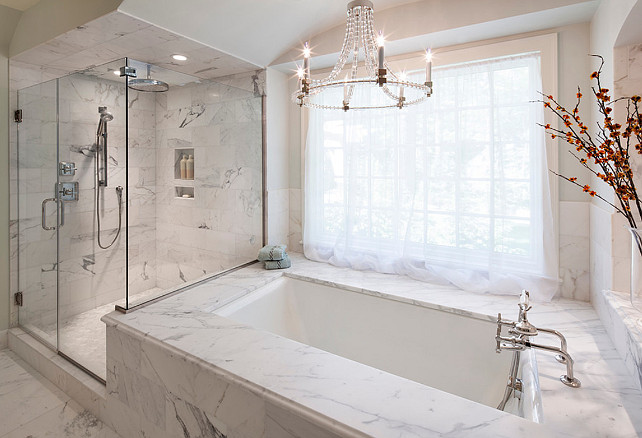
[366,54]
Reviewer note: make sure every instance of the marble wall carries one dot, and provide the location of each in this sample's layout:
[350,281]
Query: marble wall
[611,236]
[221,226]
[171,240]
[574,251]
[64,112]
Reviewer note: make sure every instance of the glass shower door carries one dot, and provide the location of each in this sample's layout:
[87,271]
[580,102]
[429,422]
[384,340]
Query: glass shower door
[38,210]
[92,260]
[72,218]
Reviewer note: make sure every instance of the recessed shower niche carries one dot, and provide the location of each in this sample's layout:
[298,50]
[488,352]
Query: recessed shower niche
[184,164]
[67,277]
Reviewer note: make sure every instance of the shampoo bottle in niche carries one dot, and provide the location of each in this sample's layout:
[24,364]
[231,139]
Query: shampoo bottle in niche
[190,167]
[183,164]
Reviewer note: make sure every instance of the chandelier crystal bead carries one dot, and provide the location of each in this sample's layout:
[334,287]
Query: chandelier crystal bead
[366,54]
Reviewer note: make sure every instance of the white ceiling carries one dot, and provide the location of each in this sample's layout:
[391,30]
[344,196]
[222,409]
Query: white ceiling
[21,5]
[264,31]
[255,30]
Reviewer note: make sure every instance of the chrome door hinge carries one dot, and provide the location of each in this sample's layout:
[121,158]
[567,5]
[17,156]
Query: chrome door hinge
[17,116]
[17,298]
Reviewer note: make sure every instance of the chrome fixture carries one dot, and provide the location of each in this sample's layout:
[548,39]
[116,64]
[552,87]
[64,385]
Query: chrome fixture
[63,192]
[101,144]
[359,44]
[514,385]
[66,169]
[126,71]
[68,191]
[519,339]
[148,84]
[101,173]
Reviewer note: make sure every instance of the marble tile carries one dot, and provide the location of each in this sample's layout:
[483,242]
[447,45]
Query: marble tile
[33,407]
[278,220]
[295,235]
[574,266]
[574,218]
[117,35]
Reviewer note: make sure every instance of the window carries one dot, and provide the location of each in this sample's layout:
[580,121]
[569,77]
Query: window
[453,190]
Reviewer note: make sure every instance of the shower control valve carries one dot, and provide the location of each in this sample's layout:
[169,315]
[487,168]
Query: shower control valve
[66,169]
[68,191]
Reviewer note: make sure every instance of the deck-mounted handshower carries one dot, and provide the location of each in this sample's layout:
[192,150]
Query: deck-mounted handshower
[101,172]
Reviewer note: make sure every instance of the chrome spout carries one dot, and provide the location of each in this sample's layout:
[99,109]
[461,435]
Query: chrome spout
[519,339]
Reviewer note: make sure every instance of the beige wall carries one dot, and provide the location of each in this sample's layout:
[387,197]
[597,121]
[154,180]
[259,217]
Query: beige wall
[609,240]
[8,20]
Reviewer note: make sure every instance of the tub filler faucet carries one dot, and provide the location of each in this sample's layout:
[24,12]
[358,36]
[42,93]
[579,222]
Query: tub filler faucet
[520,333]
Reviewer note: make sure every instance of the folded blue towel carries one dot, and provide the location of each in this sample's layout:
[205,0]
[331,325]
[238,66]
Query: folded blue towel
[271,252]
[279,264]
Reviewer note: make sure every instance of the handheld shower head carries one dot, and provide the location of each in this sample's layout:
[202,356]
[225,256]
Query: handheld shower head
[105,116]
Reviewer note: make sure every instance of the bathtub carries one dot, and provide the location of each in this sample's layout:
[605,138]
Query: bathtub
[453,352]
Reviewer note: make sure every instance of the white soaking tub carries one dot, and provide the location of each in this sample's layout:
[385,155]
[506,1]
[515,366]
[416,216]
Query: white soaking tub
[453,352]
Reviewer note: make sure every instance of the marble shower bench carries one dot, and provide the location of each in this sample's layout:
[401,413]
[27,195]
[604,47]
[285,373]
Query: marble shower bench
[174,368]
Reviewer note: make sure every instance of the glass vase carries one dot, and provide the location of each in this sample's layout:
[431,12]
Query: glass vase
[636,268]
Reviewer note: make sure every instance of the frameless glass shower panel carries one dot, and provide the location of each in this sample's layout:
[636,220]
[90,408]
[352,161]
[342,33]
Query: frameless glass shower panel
[92,241]
[195,180]
[37,211]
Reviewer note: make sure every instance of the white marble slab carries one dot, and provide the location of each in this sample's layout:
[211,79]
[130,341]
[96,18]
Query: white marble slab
[31,406]
[345,398]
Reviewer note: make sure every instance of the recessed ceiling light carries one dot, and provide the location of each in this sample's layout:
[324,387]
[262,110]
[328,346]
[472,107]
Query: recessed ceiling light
[180,57]
[116,72]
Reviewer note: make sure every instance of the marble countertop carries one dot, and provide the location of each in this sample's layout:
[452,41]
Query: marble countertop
[371,402]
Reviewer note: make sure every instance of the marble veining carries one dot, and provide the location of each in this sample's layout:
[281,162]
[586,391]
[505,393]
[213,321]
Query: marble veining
[308,392]
[33,407]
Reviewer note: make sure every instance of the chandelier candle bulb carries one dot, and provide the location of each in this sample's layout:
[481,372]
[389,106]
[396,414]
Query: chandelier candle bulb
[345,91]
[428,66]
[306,61]
[380,42]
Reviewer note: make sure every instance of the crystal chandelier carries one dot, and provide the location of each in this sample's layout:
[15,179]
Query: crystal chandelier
[366,54]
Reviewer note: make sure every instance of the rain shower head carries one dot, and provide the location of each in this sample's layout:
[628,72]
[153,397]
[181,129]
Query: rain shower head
[148,84]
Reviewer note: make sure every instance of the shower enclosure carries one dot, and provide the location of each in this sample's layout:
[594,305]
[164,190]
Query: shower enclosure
[133,181]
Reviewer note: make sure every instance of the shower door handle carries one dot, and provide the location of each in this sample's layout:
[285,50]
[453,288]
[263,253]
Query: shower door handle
[44,213]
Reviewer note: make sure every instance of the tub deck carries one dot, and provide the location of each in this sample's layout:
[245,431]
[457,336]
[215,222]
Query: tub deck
[207,371]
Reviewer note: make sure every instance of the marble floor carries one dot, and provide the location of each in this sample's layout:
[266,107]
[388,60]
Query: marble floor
[33,407]
[82,336]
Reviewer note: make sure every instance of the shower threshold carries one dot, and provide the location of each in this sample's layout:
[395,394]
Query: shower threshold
[82,337]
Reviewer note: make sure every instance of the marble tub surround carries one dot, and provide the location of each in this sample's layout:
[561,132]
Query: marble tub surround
[624,324]
[174,346]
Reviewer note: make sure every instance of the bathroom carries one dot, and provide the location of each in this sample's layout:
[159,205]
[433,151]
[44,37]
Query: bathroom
[153,150]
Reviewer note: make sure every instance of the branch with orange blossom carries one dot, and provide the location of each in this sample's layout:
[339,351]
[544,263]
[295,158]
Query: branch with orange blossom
[607,155]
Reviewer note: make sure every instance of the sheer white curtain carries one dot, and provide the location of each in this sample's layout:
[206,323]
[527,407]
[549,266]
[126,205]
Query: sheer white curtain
[454,190]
